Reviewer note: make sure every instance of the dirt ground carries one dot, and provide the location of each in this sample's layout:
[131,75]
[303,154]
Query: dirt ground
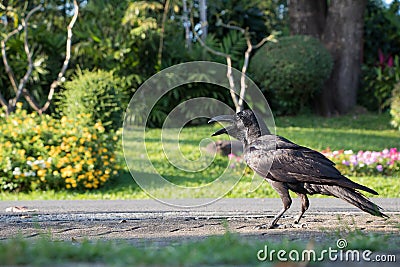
[147,223]
[141,222]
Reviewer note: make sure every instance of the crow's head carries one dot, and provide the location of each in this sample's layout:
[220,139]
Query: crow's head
[243,126]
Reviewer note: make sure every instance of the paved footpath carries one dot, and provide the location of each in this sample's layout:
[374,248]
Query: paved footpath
[144,221]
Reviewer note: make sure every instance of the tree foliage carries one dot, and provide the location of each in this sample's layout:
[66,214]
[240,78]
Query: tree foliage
[124,37]
[381,48]
[291,71]
[98,93]
[46,18]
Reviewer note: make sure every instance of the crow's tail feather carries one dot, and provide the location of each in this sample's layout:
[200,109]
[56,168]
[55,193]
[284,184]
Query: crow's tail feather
[357,199]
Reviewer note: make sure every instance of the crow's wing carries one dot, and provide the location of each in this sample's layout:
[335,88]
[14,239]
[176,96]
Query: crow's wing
[288,162]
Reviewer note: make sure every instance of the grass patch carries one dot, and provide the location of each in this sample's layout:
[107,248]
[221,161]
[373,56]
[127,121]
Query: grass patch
[361,132]
[194,167]
[226,250]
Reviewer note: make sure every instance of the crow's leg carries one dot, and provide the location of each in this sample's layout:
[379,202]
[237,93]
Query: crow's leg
[304,206]
[286,200]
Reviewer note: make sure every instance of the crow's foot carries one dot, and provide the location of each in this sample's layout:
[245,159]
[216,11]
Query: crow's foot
[299,225]
[270,226]
[281,226]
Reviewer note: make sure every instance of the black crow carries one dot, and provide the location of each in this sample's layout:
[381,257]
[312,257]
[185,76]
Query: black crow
[288,166]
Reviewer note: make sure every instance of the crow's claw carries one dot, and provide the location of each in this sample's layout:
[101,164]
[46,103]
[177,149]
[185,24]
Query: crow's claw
[267,226]
[299,225]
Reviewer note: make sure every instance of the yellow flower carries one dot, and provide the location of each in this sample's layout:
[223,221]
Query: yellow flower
[41,173]
[67,171]
[21,152]
[19,105]
[78,168]
[34,139]
[65,147]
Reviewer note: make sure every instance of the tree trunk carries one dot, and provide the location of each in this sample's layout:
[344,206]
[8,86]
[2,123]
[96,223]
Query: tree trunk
[186,24]
[340,28]
[343,37]
[307,17]
[203,18]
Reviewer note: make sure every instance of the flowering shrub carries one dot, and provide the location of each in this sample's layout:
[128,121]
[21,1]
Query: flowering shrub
[362,163]
[386,162]
[395,106]
[40,152]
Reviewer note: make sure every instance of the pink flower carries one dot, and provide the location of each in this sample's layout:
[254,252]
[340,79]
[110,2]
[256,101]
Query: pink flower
[379,168]
[353,160]
[385,152]
[381,57]
[231,156]
[390,62]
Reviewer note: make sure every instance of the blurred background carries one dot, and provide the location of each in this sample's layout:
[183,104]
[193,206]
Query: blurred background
[329,70]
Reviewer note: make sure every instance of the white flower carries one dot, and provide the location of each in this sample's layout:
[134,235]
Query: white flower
[39,163]
[17,171]
[348,152]
[30,173]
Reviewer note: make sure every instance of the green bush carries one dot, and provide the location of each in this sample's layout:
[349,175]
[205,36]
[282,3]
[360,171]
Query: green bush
[378,83]
[395,106]
[41,152]
[291,71]
[98,93]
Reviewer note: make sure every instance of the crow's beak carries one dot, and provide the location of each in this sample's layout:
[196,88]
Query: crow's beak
[222,118]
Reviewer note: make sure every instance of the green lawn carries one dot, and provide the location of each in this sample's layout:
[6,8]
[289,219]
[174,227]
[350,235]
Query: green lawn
[361,132]
[226,250]
[195,168]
